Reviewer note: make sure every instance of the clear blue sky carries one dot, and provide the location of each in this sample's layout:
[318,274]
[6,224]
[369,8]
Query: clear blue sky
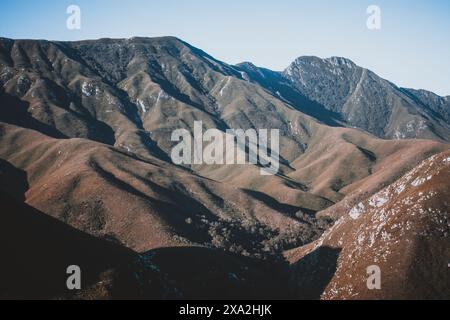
[412,49]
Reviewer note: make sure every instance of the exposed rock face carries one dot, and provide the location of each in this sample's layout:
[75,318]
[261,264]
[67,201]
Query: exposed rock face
[404,230]
[338,92]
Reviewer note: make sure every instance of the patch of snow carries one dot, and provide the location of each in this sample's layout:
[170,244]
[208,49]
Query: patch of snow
[398,135]
[142,105]
[372,240]
[422,125]
[289,72]
[400,188]
[5,76]
[224,87]
[162,95]
[294,128]
[279,94]
[88,89]
[378,200]
[361,239]
[244,76]
[410,126]
[356,212]
[418,182]
[385,236]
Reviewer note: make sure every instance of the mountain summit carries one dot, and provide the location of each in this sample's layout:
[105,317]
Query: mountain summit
[361,99]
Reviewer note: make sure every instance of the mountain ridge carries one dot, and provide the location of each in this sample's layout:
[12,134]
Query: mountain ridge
[346,107]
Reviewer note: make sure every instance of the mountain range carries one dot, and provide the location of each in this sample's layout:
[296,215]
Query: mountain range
[85,151]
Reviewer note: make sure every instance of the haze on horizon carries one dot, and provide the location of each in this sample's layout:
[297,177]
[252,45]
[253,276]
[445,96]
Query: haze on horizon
[411,49]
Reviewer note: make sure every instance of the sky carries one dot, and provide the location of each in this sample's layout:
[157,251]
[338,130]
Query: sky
[412,48]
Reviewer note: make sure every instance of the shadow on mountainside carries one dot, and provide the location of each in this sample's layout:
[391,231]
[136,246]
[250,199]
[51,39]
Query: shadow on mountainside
[273,203]
[281,89]
[311,275]
[36,250]
[13,181]
[15,111]
[203,273]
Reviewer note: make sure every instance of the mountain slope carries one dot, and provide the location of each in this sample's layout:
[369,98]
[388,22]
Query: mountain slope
[438,105]
[36,251]
[132,93]
[85,133]
[365,100]
[143,203]
[404,230]
[338,92]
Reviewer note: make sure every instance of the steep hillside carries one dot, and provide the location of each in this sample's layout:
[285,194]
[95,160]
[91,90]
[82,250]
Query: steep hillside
[142,203]
[364,100]
[404,230]
[338,92]
[132,93]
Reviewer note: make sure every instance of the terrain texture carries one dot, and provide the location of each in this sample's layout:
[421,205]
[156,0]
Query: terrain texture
[86,177]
